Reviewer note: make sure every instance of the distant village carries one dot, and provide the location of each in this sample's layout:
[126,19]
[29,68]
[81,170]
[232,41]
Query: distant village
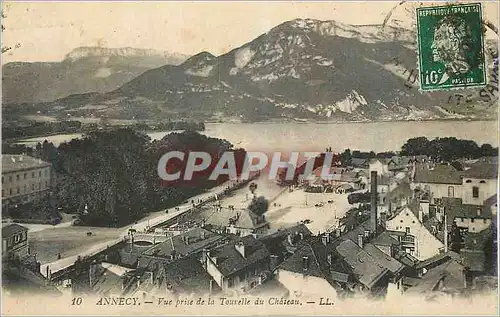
[413,226]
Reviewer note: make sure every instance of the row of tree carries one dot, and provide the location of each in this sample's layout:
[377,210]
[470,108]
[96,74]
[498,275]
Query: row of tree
[33,128]
[440,149]
[113,174]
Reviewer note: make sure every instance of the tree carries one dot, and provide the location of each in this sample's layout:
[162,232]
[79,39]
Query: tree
[259,205]
[415,146]
[345,157]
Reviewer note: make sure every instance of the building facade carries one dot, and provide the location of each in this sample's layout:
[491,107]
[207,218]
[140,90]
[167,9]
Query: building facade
[14,241]
[24,179]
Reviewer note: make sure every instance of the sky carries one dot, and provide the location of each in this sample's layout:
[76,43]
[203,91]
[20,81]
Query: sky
[46,31]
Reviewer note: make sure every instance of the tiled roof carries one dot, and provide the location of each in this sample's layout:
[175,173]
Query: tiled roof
[317,254]
[187,276]
[440,174]
[199,238]
[295,262]
[283,232]
[366,268]
[455,209]
[393,265]
[244,218]
[230,261]
[475,260]
[437,260]
[358,162]
[384,239]
[106,282]
[482,170]
[403,190]
[12,163]
[449,272]
[12,228]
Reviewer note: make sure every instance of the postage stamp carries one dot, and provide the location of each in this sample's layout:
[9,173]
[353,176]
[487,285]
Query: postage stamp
[450,47]
[255,158]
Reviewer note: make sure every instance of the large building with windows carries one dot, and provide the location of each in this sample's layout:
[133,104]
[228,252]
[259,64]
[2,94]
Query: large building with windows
[24,179]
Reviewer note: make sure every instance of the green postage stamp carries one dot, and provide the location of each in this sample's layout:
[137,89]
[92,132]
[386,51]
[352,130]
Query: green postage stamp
[450,47]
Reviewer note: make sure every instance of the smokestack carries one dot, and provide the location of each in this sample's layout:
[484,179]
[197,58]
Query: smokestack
[373,205]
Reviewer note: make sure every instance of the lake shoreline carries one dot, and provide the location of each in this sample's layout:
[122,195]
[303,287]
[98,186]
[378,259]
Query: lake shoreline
[363,136]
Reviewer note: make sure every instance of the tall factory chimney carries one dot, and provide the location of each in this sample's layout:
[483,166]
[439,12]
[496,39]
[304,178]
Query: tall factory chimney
[373,204]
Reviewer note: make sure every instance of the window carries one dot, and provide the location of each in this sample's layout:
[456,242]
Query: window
[482,182]
[468,181]
[230,282]
[46,184]
[32,186]
[10,178]
[451,191]
[3,192]
[472,220]
[25,175]
[2,180]
[17,176]
[485,220]
[32,174]
[407,230]
[17,238]
[475,192]
[18,190]
[10,191]
[40,174]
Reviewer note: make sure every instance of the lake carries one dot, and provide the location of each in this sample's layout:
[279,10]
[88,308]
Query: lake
[377,136]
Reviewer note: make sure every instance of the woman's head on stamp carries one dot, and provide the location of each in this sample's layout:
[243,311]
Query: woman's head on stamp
[451,44]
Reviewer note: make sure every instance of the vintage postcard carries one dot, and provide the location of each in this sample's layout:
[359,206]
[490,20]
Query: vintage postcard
[249,158]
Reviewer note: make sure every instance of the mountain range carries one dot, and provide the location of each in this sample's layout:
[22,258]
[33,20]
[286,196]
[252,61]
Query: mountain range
[83,70]
[300,69]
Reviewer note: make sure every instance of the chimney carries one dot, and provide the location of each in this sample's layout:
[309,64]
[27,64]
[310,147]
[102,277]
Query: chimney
[274,261]
[305,263]
[202,234]
[187,239]
[329,259]
[360,240]
[204,257]
[373,204]
[325,238]
[290,239]
[240,247]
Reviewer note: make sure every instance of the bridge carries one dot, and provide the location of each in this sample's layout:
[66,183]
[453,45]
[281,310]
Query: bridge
[149,238]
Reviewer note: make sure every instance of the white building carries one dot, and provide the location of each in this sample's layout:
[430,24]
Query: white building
[414,236]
